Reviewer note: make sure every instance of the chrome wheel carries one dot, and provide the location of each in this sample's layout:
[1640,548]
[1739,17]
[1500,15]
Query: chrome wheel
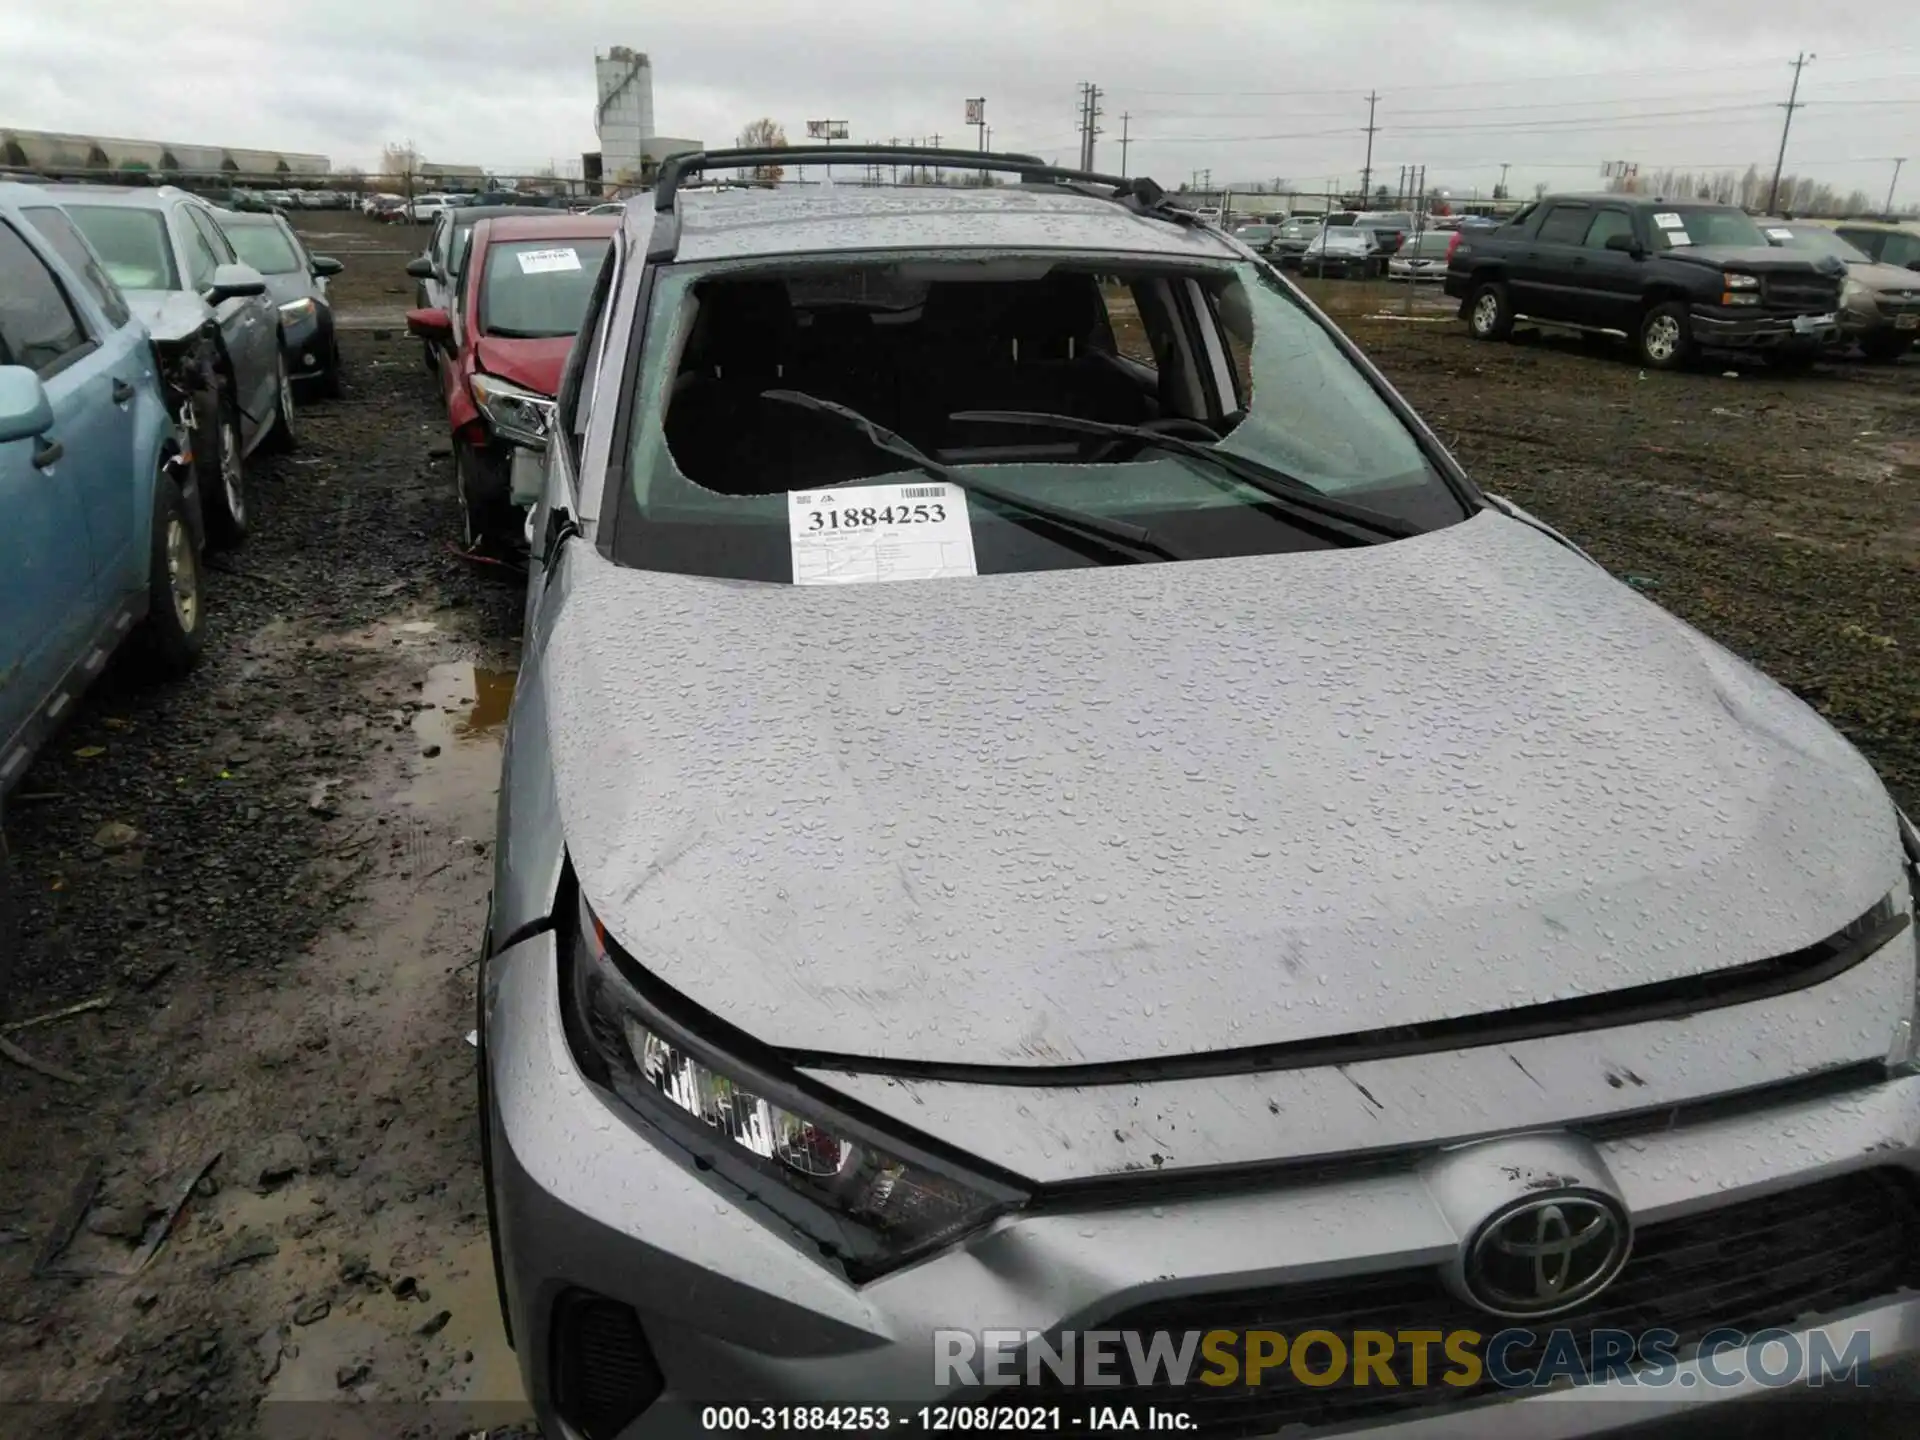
[231,483]
[183,575]
[1662,338]
[1486,313]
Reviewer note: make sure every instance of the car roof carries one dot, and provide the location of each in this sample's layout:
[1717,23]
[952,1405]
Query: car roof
[552,226]
[736,224]
[1641,202]
[248,217]
[139,197]
[488,212]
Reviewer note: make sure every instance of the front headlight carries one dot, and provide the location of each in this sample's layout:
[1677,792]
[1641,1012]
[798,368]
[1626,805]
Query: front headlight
[516,413]
[1734,280]
[295,311]
[871,1201]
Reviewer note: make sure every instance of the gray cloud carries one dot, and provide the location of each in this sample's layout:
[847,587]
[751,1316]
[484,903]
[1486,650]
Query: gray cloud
[1552,86]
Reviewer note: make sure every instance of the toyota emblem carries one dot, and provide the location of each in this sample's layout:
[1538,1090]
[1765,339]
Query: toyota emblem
[1547,1253]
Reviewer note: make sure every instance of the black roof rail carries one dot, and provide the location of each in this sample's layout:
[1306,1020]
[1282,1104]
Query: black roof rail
[1140,194]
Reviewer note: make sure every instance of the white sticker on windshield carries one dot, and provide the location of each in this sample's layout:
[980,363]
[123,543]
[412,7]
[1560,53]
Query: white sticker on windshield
[861,533]
[1677,238]
[1777,234]
[1667,220]
[543,262]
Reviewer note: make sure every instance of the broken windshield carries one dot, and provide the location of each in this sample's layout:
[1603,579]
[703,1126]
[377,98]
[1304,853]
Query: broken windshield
[1219,353]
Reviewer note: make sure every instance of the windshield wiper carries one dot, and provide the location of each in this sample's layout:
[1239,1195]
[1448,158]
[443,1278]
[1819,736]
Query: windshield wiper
[1115,536]
[1354,524]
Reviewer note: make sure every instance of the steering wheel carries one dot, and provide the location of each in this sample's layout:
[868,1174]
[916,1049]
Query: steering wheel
[1125,447]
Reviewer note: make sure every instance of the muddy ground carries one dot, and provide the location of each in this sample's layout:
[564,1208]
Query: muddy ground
[269,880]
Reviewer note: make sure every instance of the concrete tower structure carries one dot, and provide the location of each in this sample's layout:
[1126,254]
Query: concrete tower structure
[623,116]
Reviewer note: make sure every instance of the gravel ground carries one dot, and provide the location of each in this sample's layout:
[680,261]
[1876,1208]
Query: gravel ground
[275,871]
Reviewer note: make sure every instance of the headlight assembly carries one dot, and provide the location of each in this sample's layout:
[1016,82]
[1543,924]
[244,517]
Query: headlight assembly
[294,311]
[517,414]
[870,1200]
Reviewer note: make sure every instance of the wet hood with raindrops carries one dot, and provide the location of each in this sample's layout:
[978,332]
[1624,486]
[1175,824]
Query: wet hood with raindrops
[1156,810]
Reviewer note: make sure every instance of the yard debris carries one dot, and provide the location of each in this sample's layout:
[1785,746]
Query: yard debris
[40,1067]
[245,1248]
[281,1158]
[82,1201]
[79,1007]
[115,836]
[89,752]
[436,1324]
[312,1312]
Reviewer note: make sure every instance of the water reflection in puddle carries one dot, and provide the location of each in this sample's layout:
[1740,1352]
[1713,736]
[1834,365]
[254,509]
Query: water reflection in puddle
[458,772]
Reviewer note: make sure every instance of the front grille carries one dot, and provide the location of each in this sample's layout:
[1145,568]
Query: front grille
[1802,1253]
[1801,297]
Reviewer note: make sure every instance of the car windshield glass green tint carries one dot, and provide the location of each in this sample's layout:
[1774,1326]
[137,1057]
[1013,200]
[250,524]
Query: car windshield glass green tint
[264,247]
[132,244]
[1216,353]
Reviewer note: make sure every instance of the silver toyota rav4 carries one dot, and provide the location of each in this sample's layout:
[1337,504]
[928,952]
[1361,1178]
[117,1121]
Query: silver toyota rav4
[1001,904]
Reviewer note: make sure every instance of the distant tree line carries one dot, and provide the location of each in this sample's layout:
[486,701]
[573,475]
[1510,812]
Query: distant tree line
[1799,194]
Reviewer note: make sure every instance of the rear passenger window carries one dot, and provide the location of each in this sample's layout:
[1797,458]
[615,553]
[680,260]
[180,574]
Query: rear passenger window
[1566,225]
[1606,225]
[65,241]
[38,327]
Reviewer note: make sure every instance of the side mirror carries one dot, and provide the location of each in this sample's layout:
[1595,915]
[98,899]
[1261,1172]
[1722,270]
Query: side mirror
[420,268]
[1913,264]
[429,325]
[327,265]
[235,282]
[24,410]
[1626,244]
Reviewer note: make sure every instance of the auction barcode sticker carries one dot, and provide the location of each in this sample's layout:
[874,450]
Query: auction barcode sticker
[542,262]
[861,533]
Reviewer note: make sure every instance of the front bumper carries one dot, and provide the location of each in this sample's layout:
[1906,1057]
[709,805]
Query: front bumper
[1729,329]
[1871,320]
[734,1310]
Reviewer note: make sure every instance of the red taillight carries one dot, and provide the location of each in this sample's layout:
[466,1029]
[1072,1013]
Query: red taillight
[1453,244]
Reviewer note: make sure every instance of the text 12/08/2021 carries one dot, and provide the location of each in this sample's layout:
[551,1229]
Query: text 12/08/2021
[1085,1418]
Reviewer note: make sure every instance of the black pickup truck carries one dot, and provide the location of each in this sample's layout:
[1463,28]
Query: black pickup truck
[1673,277]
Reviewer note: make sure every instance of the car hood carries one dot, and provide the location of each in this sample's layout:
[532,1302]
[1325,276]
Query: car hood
[1760,260]
[168,314]
[535,364]
[1882,278]
[1155,810]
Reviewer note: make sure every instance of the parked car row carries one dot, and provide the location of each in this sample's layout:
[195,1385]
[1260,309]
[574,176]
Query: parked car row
[501,293]
[149,345]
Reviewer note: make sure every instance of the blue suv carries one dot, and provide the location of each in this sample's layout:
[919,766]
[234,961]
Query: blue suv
[95,483]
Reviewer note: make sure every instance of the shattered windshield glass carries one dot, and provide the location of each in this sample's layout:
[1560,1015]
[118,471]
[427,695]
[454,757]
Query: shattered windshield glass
[1216,353]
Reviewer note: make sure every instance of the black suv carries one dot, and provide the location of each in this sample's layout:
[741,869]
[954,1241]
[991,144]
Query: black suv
[1672,277]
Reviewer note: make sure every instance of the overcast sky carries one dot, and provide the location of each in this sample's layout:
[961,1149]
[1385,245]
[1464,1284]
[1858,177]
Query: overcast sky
[1247,88]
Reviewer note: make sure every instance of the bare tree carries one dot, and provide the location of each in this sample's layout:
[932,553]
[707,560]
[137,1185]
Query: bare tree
[763,134]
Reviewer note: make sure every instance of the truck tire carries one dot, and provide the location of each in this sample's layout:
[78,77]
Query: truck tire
[1490,312]
[1884,349]
[1664,342]
[223,485]
[170,636]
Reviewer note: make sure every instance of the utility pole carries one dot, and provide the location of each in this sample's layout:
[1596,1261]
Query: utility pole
[936,168]
[1895,185]
[1126,116]
[1786,128]
[1366,175]
[1504,167]
[892,141]
[1089,122]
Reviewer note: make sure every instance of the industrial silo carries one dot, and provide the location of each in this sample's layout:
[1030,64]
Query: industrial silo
[623,116]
